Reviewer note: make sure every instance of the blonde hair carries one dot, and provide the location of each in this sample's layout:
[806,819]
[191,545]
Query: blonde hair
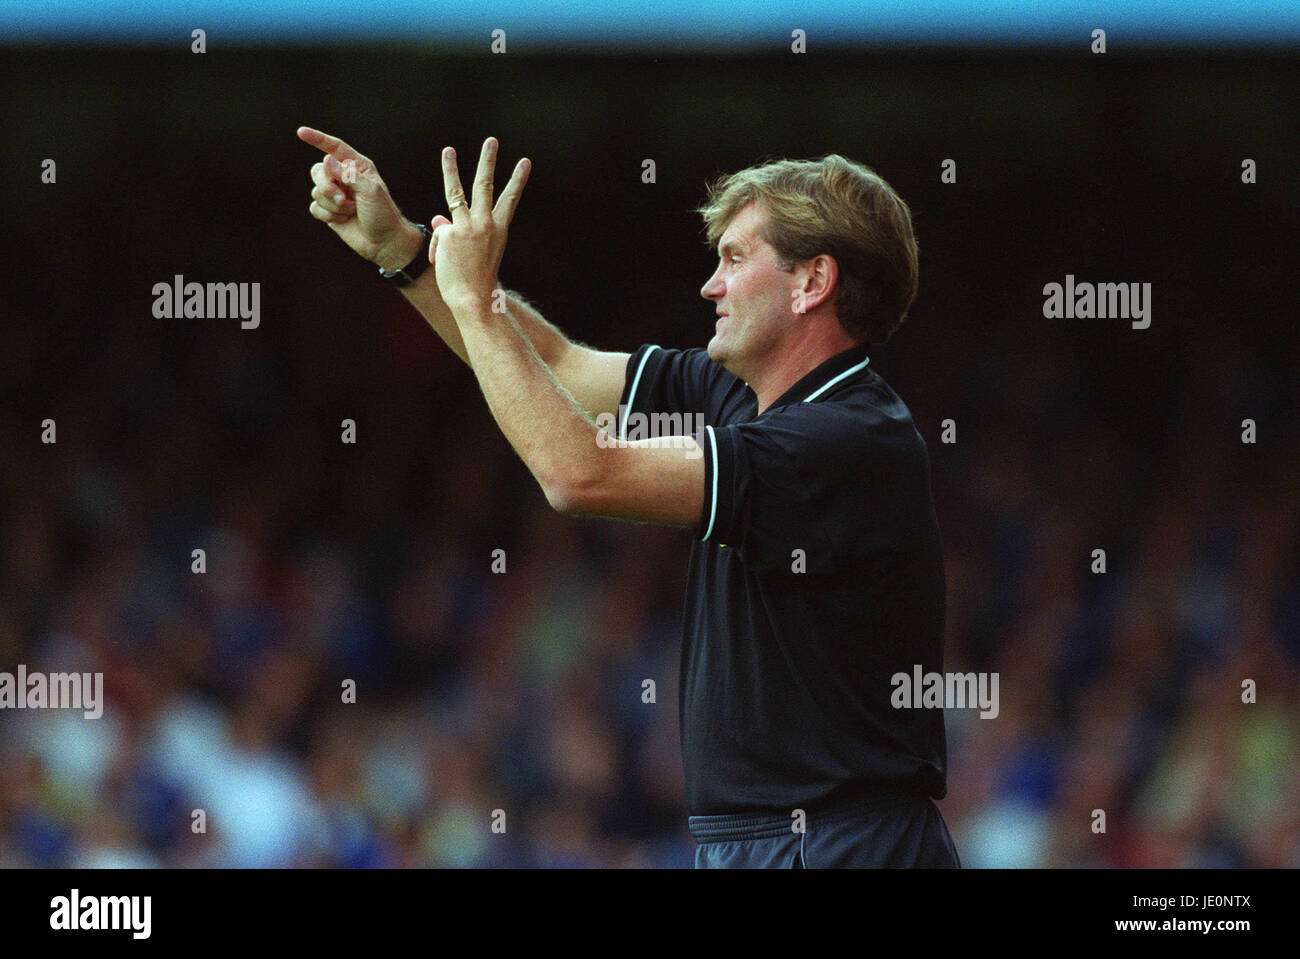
[838,207]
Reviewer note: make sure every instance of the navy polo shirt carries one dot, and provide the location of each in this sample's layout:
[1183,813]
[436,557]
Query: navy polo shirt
[816,574]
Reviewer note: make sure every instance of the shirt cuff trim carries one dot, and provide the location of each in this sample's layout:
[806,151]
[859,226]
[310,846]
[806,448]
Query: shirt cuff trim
[631,394]
[713,494]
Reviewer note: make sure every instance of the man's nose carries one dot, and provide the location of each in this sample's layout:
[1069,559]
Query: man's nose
[712,287]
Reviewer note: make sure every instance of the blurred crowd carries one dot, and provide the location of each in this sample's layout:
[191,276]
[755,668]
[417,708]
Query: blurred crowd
[507,687]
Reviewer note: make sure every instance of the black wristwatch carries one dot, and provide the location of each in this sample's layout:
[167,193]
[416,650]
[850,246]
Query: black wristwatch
[411,272]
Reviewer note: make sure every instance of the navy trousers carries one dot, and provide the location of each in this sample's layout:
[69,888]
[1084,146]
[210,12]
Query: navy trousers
[890,830]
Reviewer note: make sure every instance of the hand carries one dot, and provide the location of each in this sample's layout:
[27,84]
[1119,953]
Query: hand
[351,197]
[466,250]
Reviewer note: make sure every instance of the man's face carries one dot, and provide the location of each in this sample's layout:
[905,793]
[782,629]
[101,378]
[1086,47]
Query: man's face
[752,293]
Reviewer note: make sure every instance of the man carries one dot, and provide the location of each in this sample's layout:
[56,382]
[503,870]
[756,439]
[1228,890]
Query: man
[816,573]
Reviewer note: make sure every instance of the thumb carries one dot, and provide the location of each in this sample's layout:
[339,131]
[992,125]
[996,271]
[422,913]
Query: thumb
[437,222]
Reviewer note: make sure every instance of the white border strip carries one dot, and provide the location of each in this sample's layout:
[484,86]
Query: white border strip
[831,382]
[631,394]
[713,504]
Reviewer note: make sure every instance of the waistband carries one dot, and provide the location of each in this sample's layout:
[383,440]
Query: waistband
[732,827]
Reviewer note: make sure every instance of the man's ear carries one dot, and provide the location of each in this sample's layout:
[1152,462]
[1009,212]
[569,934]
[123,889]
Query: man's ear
[820,276]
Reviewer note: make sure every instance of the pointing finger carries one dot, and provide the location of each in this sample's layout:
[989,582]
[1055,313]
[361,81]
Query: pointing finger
[329,144]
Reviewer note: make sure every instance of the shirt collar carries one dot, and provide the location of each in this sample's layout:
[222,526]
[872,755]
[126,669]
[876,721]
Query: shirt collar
[817,382]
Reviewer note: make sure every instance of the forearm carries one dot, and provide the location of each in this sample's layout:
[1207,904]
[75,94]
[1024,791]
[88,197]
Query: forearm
[550,344]
[423,293]
[538,416]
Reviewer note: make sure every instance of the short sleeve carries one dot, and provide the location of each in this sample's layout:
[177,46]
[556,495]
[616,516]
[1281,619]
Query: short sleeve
[670,381]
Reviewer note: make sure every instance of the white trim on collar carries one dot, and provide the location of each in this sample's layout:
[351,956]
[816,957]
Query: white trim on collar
[835,379]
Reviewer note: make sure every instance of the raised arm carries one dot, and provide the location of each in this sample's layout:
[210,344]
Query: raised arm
[349,195]
[573,460]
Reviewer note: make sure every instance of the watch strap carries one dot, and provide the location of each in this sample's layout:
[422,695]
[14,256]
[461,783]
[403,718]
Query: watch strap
[411,272]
